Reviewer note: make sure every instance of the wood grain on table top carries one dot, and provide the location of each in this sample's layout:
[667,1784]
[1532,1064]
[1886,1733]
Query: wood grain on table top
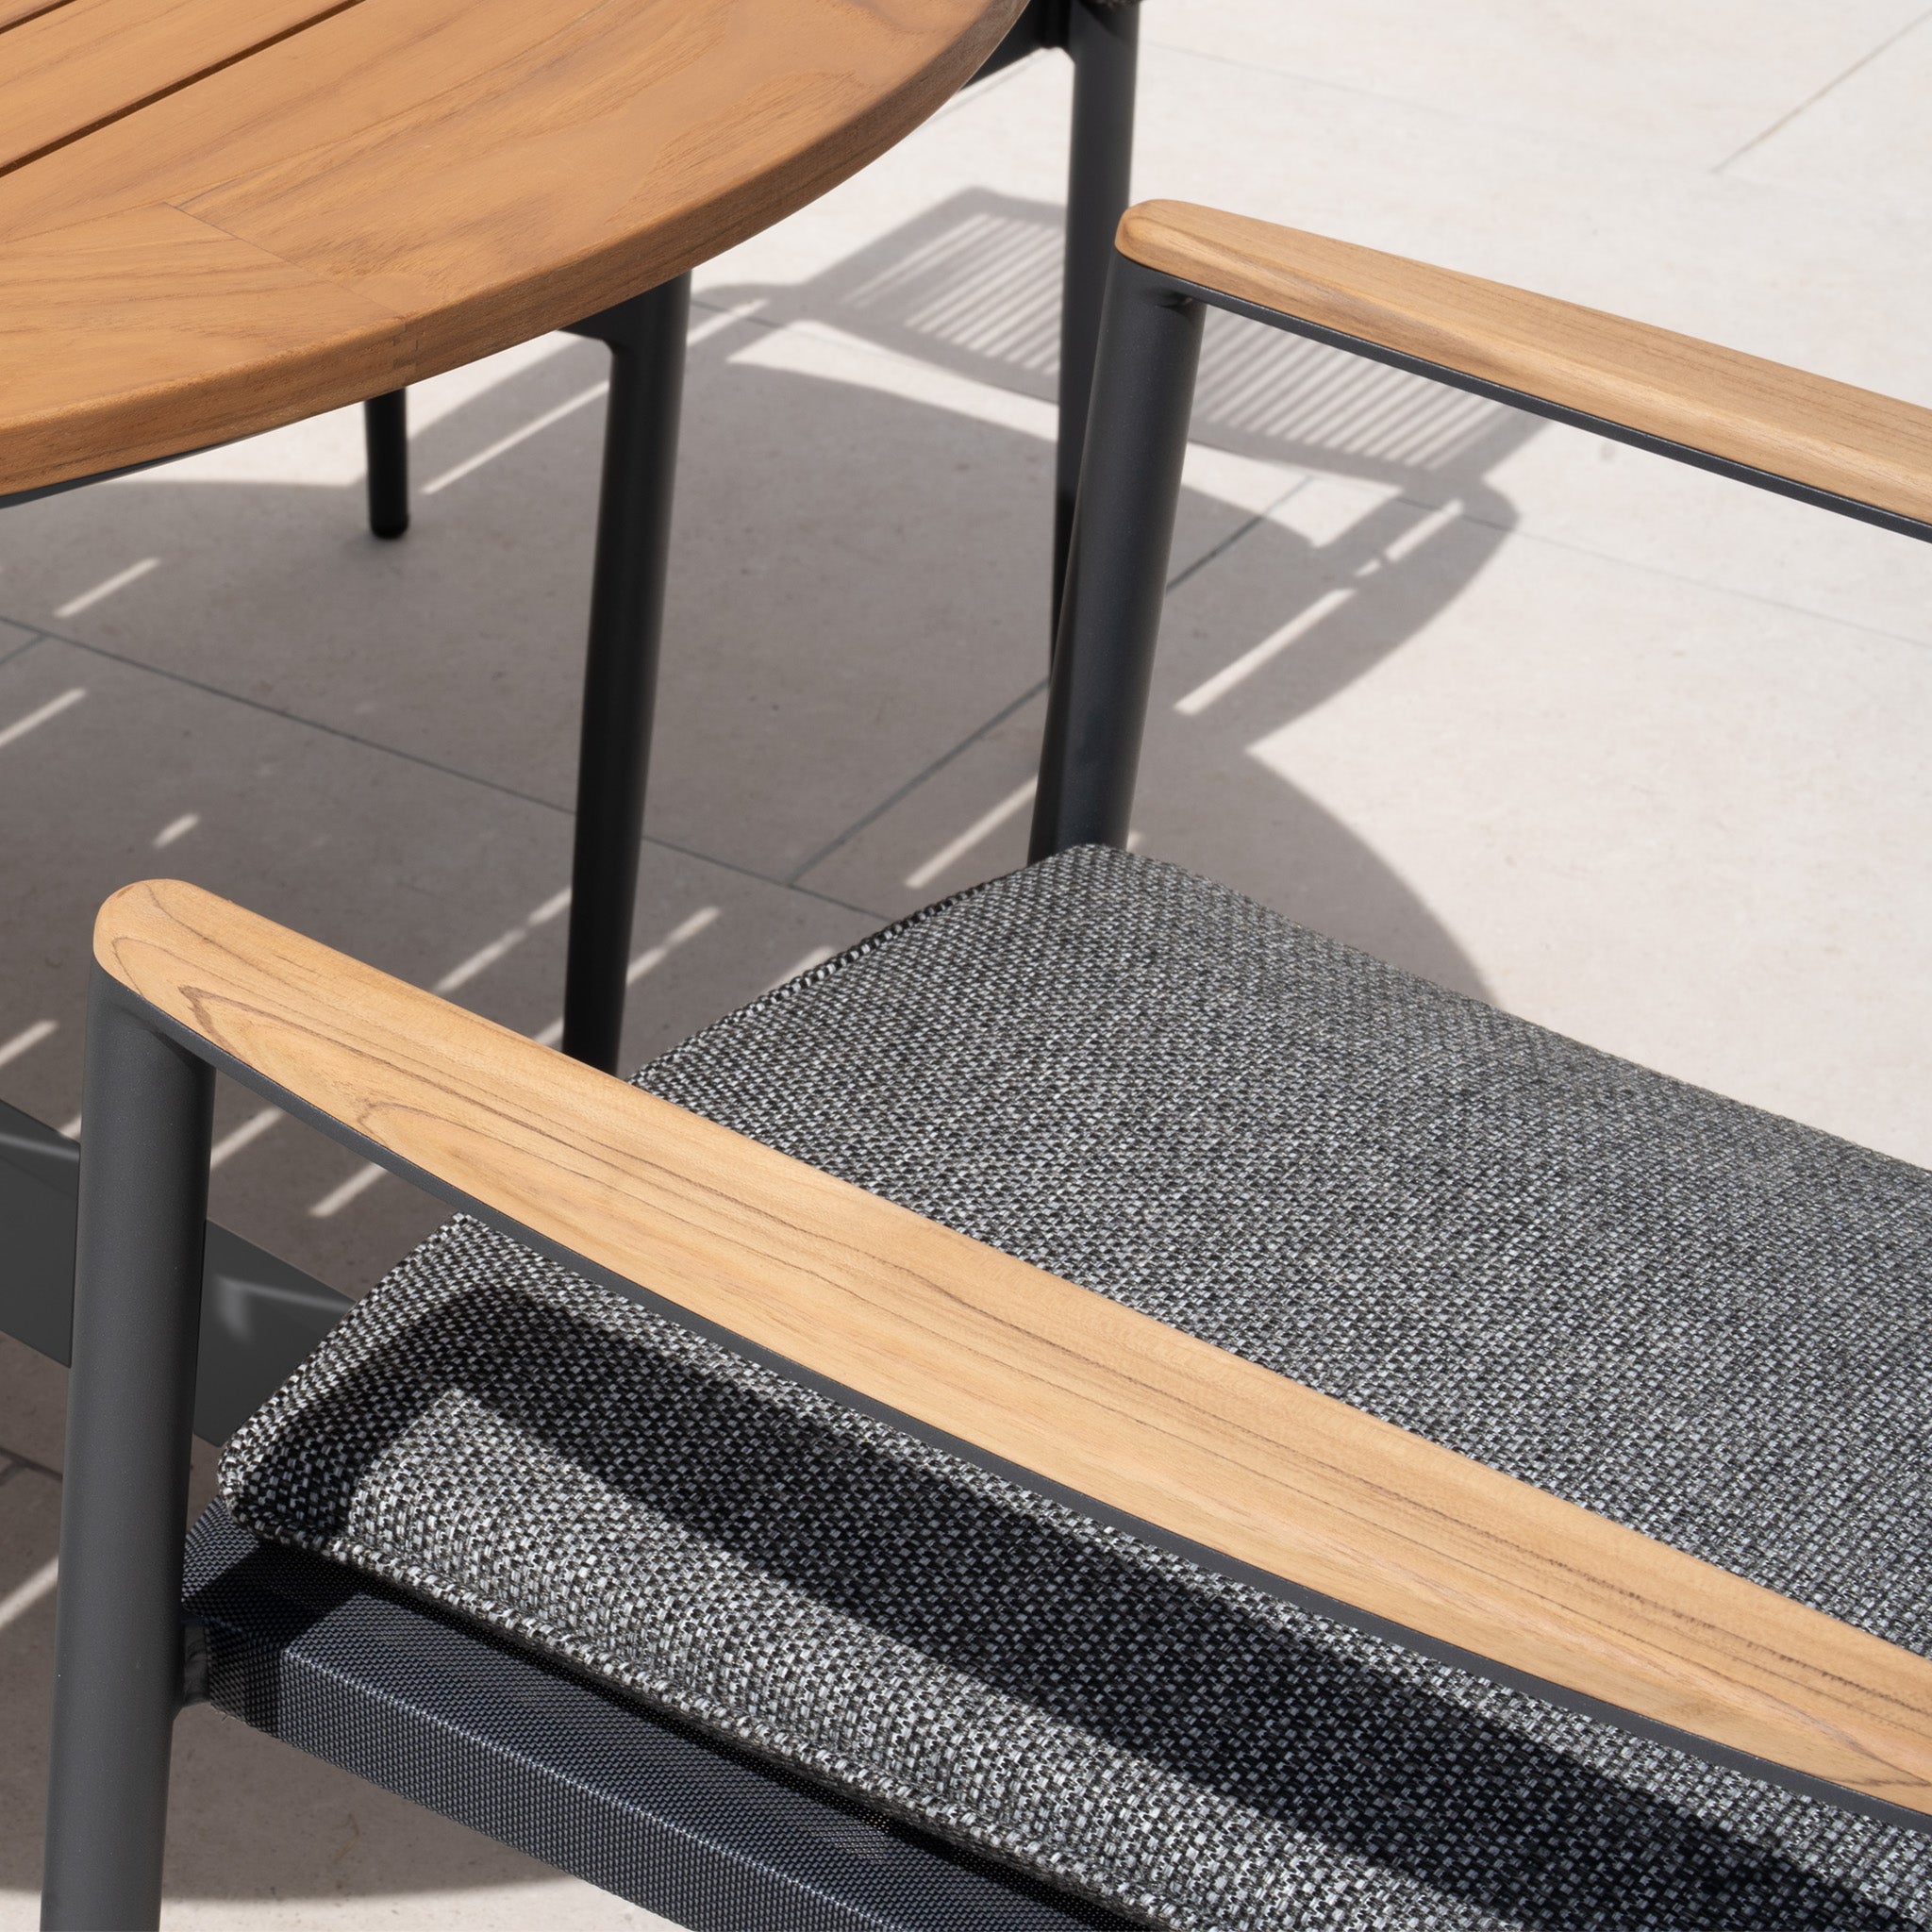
[395,185]
[89,63]
[1827,435]
[1155,1425]
[13,11]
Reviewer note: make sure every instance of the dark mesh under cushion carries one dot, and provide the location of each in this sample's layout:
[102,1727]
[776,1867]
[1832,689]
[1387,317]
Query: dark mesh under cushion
[1693,1317]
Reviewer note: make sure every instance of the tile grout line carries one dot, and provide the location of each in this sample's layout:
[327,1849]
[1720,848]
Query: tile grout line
[26,1464]
[21,650]
[763,878]
[1805,106]
[328,730]
[379,750]
[912,785]
[1571,547]
[1528,129]
[1409,104]
[1026,697]
[1234,537]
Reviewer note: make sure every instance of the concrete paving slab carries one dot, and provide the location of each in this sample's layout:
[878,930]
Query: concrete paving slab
[1685,85]
[820,497]
[1820,279]
[1861,139]
[1812,280]
[463,643]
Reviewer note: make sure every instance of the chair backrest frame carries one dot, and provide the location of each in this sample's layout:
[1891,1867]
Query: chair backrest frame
[1122,533]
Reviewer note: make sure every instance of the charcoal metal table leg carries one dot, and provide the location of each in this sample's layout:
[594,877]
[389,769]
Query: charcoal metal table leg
[386,436]
[646,338]
[1103,38]
[118,1650]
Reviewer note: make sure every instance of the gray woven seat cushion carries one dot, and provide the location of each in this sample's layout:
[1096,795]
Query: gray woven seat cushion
[1693,1317]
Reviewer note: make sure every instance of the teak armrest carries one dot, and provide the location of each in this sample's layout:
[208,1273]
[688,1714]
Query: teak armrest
[1824,437]
[1158,1428]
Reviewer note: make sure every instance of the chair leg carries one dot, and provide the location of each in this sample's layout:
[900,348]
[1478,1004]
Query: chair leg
[646,338]
[1130,486]
[118,1641]
[1103,41]
[386,436]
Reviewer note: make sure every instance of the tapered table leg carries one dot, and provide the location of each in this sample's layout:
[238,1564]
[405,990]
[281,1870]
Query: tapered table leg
[646,337]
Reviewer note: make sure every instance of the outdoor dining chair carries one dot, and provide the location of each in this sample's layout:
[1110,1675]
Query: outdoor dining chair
[1099,1406]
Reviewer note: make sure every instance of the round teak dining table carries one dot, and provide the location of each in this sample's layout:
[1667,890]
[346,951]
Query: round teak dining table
[217,216]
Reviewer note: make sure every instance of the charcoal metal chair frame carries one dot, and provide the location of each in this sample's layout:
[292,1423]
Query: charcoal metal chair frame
[1188,1450]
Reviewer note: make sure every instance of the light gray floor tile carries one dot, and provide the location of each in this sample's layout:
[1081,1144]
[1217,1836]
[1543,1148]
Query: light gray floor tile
[1820,279]
[1645,76]
[1811,280]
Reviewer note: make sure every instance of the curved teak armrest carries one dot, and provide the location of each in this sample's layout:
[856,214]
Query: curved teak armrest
[1828,438]
[1157,1427]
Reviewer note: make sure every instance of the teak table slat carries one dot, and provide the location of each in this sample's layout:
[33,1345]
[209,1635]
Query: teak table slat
[88,62]
[215,218]
[13,11]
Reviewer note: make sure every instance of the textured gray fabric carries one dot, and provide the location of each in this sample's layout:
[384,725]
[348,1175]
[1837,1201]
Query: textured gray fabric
[1697,1319]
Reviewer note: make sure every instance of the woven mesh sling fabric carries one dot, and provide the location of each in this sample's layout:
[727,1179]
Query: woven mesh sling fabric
[1693,1317]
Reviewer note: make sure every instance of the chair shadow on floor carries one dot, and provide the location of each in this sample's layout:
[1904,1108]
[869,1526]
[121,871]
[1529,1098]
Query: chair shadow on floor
[970,287]
[858,587]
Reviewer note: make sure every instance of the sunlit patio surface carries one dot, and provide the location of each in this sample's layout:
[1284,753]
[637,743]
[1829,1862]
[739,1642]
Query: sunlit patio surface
[1622,747]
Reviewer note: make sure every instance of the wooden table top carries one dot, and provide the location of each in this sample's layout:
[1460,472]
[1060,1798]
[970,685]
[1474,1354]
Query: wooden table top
[221,215]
